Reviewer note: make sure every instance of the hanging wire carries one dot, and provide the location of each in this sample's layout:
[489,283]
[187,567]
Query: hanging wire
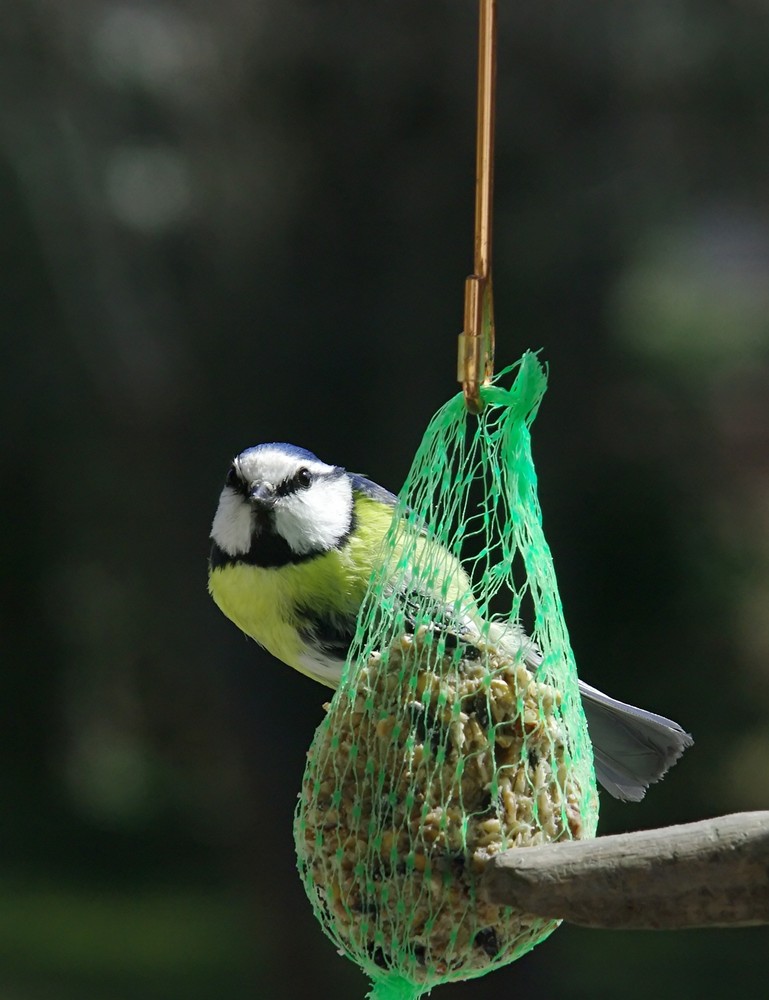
[476,342]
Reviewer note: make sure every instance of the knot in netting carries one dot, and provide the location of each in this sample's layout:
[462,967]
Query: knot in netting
[457,730]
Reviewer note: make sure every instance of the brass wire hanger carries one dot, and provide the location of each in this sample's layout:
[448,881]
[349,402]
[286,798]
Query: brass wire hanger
[476,342]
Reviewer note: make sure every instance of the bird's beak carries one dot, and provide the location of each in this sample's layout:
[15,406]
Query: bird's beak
[263,496]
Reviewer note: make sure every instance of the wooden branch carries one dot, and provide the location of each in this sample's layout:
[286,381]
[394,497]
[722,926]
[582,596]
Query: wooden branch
[714,873]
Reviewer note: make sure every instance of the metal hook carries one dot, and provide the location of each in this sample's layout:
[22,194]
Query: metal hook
[476,342]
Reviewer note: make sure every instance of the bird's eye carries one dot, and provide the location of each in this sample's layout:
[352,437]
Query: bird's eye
[302,478]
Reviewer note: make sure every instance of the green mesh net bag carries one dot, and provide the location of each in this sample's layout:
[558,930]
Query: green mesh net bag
[454,733]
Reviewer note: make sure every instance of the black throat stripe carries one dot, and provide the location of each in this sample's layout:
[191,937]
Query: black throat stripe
[269,550]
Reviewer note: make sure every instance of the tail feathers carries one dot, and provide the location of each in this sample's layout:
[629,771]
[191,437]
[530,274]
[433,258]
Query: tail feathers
[632,748]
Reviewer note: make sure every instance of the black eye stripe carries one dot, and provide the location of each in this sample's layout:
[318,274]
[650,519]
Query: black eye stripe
[234,481]
[301,479]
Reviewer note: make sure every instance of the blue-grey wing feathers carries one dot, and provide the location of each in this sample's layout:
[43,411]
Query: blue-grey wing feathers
[632,748]
[371,489]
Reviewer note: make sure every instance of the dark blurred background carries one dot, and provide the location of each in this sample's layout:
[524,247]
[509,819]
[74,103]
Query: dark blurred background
[237,222]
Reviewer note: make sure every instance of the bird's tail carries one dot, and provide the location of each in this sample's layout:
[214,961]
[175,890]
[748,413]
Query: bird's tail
[632,748]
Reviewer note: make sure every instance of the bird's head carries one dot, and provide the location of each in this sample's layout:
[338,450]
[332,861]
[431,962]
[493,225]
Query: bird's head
[281,504]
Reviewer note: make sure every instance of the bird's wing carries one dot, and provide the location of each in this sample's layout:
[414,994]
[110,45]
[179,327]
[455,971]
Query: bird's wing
[378,493]
[372,489]
[632,748]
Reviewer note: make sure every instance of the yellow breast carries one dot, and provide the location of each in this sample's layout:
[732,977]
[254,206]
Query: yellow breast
[265,602]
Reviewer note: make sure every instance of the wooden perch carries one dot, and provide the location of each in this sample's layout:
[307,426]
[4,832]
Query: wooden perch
[714,873]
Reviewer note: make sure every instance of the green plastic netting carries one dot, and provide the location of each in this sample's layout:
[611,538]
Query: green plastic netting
[454,734]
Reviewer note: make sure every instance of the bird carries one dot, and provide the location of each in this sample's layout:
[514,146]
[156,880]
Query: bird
[294,542]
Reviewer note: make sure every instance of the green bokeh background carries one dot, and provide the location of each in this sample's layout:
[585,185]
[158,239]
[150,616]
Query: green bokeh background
[232,223]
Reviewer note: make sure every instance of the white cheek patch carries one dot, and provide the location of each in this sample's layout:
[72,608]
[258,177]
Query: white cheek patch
[232,528]
[318,518]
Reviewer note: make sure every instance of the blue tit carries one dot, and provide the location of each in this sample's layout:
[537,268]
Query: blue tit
[293,545]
